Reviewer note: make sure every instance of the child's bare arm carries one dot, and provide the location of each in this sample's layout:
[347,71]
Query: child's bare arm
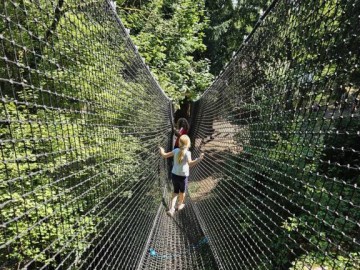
[165,154]
[196,161]
[177,133]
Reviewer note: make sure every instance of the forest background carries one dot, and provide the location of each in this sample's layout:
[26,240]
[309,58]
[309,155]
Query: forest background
[187,43]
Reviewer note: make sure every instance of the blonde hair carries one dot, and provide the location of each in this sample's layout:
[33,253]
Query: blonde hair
[184,144]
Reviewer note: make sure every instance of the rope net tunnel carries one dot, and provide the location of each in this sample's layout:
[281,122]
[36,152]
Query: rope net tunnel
[82,185]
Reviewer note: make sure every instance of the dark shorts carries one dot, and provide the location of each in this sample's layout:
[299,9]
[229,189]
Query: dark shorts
[179,182]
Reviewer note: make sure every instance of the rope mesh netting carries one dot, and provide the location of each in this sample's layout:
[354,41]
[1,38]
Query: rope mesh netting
[81,120]
[279,188]
[82,184]
[178,243]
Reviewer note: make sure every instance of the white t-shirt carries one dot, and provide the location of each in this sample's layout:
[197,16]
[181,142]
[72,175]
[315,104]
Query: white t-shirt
[181,168]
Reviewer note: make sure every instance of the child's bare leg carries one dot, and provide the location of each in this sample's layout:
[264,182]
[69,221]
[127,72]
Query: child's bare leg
[181,197]
[172,205]
[181,204]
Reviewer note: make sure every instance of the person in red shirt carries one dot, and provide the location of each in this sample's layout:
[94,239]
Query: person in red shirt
[182,129]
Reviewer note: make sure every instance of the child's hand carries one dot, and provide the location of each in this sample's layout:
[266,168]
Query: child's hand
[161,149]
[202,156]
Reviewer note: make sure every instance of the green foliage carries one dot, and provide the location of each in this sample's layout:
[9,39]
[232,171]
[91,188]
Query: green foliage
[35,205]
[230,22]
[63,152]
[169,35]
[316,261]
[304,158]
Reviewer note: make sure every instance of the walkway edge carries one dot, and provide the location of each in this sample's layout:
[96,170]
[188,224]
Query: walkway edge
[204,229]
[146,248]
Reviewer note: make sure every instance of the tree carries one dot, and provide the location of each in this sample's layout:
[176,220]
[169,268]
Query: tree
[65,103]
[169,35]
[230,22]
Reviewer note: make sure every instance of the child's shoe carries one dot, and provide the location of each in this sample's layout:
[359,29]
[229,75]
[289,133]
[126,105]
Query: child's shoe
[171,212]
[181,206]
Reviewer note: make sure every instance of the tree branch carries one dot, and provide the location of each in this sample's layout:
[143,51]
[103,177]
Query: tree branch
[57,17]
